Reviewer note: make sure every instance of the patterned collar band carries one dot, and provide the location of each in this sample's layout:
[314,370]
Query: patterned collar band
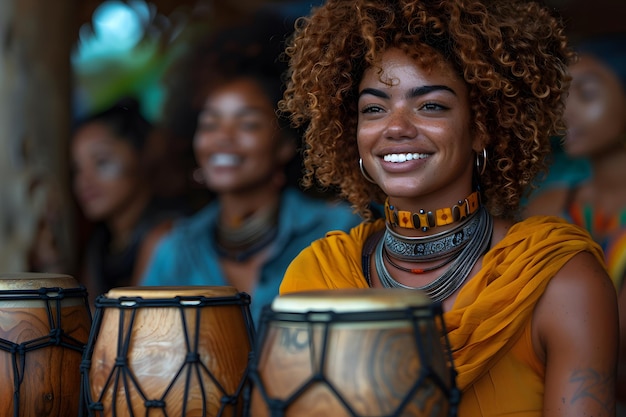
[426,220]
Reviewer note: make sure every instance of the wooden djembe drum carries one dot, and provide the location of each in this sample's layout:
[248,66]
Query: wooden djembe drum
[44,327]
[168,351]
[340,353]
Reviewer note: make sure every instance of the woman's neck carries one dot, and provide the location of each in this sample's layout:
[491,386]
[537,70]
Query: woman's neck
[606,189]
[235,208]
[123,223]
[609,169]
[247,226]
[429,216]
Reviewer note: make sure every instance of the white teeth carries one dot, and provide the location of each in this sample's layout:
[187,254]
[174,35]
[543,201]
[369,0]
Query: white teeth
[403,157]
[224,160]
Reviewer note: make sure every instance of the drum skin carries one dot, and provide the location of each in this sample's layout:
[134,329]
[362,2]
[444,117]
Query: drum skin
[50,372]
[318,365]
[154,346]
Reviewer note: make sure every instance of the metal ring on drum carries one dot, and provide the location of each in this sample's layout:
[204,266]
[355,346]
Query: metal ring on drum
[168,351]
[350,353]
[44,325]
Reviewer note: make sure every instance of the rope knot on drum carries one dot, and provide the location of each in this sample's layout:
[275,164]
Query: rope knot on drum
[96,406]
[56,335]
[192,357]
[154,404]
[85,364]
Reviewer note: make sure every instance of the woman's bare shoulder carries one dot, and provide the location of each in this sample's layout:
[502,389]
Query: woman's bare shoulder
[579,300]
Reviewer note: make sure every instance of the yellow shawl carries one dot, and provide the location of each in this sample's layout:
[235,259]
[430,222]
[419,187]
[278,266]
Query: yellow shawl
[491,309]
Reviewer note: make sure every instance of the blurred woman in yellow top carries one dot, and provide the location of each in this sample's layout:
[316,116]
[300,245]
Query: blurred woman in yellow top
[442,112]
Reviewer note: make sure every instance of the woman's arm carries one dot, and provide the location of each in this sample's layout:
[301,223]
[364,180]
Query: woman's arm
[575,331]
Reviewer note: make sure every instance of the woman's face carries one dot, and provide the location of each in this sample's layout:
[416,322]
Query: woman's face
[106,171]
[595,111]
[237,143]
[414,132]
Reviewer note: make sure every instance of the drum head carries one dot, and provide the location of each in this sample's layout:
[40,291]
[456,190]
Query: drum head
[350,300]
[172,291]
[35,280]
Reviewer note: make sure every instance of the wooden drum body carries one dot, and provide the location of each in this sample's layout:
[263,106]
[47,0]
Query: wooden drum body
[168,351]
[374,352]
[44,327]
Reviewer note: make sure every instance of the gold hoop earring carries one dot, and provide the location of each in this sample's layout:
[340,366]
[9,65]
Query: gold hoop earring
[364,172]
[198,176]
[481,165]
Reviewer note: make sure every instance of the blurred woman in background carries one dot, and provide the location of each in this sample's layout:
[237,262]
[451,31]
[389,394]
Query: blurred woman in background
[595,115]
[111,180]
[258,220]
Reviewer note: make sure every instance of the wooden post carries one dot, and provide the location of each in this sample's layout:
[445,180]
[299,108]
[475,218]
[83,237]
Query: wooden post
[36,37]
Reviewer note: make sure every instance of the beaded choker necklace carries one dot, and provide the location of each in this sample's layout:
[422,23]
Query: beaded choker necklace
[427,219]
[253,235]
[460,264]
[426,248]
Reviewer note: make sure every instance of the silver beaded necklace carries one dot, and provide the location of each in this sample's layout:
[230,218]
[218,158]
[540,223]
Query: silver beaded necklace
[458,270]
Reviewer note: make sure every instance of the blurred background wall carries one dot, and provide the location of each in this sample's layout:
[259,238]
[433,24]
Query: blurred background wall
[60,60]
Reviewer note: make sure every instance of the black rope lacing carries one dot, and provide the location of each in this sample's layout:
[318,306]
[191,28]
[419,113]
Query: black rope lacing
[310,321]
[51,299]
[121,378]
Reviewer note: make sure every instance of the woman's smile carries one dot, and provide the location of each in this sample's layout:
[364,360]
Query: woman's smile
[413,128]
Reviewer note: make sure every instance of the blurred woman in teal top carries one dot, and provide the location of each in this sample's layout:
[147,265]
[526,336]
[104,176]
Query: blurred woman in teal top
[257,223]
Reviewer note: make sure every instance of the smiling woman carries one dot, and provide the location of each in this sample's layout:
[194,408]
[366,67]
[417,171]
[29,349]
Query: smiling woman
[257,223]
[408,102]
[237,142]
[443,111]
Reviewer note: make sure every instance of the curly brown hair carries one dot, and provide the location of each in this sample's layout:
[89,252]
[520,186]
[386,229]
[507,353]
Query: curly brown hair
[513,56]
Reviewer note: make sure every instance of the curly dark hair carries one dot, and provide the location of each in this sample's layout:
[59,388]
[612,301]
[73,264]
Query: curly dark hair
[124,119]
[513,56]
[249,48]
